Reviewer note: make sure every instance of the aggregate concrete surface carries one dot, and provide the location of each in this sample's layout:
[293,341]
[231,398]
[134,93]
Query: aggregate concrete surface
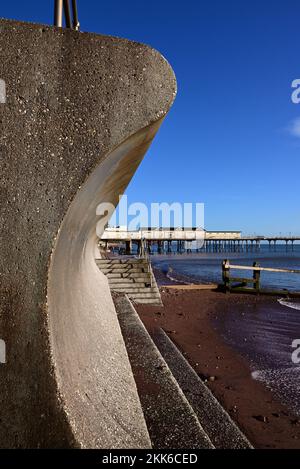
[171,420]
[81,111]
[217,423]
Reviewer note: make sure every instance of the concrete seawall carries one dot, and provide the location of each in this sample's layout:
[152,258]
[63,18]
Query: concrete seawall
[81,111]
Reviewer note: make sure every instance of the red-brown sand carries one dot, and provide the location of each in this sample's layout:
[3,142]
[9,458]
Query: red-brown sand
[187,318]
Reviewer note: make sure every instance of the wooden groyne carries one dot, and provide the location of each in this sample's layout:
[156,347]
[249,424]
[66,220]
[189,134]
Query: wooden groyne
[252,284]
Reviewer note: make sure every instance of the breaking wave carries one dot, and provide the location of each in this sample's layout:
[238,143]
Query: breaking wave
[289,303]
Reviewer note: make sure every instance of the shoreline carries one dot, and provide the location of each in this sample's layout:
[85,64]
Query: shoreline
[188,317]
[207,269]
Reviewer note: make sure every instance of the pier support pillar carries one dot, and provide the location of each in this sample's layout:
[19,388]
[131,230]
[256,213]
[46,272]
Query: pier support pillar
[128,248]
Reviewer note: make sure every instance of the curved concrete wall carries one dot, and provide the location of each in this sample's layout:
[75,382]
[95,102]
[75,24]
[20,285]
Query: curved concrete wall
[81,111]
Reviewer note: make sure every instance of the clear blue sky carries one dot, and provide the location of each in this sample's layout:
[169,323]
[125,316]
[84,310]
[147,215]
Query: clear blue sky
[230,139]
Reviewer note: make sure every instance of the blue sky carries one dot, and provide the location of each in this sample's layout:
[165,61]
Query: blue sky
[230,140]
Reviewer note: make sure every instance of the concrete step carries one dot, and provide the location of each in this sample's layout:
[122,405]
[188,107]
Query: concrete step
[125,271]
[114,280]
[105,271]
[115,266]
[216,422]
[124,267]
[127,289]
[131,289]
[136,270]
[120,261]
[135,260]
[144,294]
[148,301]
[108,262]
[146,279]
[124,275]
[170,419]
[139,275]
[127,274]
[119,270]
[132,286]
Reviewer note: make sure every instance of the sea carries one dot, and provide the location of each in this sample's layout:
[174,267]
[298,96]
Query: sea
[207,267]
[266,333]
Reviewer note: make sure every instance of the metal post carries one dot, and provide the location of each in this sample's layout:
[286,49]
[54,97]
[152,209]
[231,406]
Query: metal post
[76,24]
[58,13]
[67,14]
[59,6]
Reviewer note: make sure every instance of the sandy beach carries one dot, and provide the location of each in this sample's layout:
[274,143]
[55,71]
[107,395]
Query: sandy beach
[189,317]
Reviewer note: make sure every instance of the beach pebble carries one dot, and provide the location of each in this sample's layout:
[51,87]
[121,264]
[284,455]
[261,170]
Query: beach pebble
[261,418]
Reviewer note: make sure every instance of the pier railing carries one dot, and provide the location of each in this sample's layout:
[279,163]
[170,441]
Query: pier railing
[234,283]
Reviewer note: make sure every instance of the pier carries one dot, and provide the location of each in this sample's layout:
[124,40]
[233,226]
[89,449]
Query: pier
[172,240]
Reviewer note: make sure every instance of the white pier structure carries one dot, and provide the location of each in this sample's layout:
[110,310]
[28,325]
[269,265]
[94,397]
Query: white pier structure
[188,239]
[165,238]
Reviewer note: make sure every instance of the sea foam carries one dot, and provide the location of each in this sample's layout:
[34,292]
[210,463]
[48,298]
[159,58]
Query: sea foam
[289,304]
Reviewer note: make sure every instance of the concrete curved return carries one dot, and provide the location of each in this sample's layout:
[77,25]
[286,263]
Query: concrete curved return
[81,111]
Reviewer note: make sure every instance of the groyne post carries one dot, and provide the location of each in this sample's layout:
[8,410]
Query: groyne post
[256,277]
[225,275]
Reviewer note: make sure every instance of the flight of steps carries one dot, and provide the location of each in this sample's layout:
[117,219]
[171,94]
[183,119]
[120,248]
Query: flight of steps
[180,410]
[131,276]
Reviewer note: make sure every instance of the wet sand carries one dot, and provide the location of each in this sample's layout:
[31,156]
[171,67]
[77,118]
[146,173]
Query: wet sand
[189,317]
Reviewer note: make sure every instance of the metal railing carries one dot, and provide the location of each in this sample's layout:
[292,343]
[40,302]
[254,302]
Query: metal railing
[63,7]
